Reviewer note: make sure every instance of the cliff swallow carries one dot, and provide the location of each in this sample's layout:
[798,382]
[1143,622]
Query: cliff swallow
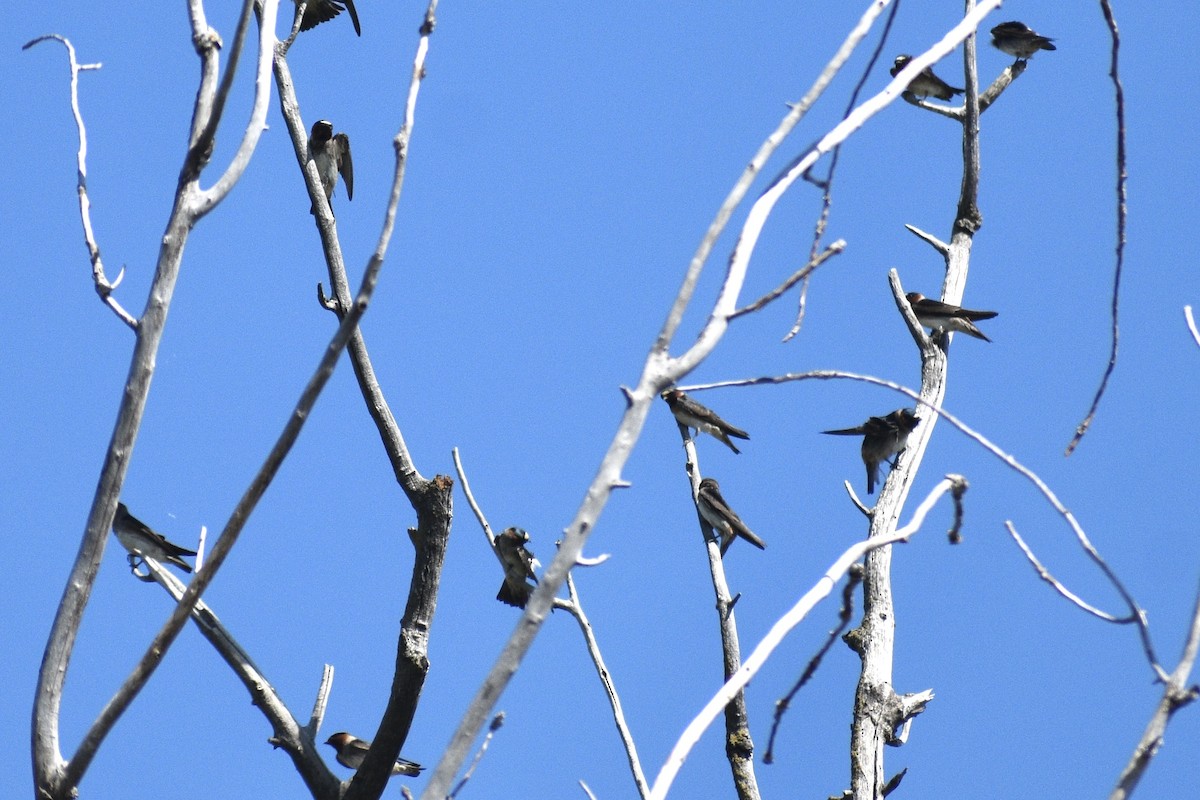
[140,540]
[332,155]
[519,564]
[318,11]
[717,513]
[926,84]
[693,415]
[940,316]
[351,751]
[883,437]
[1016,39]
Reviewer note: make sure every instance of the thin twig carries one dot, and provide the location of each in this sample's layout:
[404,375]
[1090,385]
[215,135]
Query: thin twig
[575,609]
[784,703]
[1122,213]
[1045,575]
[497,723]
[799,275]
[103,287]
[774,637]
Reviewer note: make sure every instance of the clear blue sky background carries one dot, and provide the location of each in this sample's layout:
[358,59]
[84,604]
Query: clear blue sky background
[567,158]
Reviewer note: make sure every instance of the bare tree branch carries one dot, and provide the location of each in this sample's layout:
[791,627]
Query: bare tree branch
[774,637]
[1176,695]
[1122,214]
[103,287]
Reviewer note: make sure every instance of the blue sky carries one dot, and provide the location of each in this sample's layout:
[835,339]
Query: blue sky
[565,162]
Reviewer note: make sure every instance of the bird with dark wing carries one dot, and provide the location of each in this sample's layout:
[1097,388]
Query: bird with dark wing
[519,564]
[331,154]
[939,316]
[140,540]
[351,751]
[883,437]
[691,414]
[1016,39]
[926,84]
[725,521]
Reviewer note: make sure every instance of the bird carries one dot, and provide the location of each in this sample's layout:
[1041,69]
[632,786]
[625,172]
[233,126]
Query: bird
[318,11]
[939,316]
[351,751]
[140,540]
[926,84]
[717,513]
[519,564]
[691,414]
[1016,39]
[331,154]
[883,437]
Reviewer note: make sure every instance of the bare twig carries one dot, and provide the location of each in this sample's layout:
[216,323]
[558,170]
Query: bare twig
[1045,575]
[497,723]
[774,637]
[1191,323]
[320,702]
[799,275]
[784,703]
[575,609]
[1122,213]
[103,286]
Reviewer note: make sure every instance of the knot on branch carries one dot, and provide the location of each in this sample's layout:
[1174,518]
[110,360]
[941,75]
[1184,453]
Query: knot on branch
[207,40]
[899,710]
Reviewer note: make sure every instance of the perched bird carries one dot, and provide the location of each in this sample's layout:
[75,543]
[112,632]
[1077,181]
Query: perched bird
[331,155]
[939,316]
[318,11]
[1016,39]
[717,512]
[518,566]
[926,84]
[140,540]
[693,415]
[883,437]
[351,751]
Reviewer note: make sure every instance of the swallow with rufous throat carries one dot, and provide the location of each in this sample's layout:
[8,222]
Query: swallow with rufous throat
[351,751]
[1016,39]
[691,414]
[939,316]
[883,437]
[926,84]
[140,540]
[724,520]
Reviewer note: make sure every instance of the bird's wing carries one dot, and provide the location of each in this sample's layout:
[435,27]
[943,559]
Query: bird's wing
[345,165]
[353,16]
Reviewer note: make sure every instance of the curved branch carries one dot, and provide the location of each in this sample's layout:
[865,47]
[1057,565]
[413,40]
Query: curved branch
[1122,214]
[209,198]
[103,286]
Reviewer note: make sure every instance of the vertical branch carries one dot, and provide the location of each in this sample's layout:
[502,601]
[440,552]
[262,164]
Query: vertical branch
[874,640]
[1122,212]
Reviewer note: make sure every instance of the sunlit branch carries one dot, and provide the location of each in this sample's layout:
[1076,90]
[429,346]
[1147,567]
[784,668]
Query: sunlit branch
[774,637]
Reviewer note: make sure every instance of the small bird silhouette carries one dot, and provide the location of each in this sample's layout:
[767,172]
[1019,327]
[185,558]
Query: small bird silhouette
[926,84]
[939,316]
[724,520]
[318,11]
[519,564]
[883,437]
[331,154]
[351,751]
[691,414]
[1016,39]
[140,540]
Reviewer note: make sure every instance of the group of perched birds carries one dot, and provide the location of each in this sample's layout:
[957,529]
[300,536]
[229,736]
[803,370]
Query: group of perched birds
[883,437]
[1014,38]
